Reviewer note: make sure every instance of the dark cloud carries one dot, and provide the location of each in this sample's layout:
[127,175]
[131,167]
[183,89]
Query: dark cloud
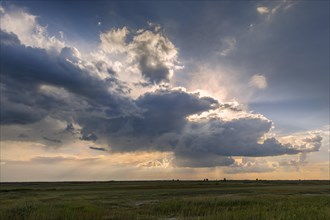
[209,141]
[155,72]
[52,140]
[97,148]
[23,75]
[163,118]
[38,84]
[23,136]
[169,109]
[213,141]
[89,137]
[9,38]
[70,128]
[294,164]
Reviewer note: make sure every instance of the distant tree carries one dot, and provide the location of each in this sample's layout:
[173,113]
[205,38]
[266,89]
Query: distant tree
[224,179]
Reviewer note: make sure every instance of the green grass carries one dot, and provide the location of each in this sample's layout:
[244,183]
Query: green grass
[166,200]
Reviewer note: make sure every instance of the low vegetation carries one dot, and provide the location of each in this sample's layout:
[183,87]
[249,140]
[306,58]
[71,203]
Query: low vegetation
[166,200]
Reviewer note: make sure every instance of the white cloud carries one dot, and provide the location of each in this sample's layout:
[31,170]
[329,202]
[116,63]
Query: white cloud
[262,10]
[144,59]
[157,163]
[113,41]
[270,11]
[258,81]
[27,29]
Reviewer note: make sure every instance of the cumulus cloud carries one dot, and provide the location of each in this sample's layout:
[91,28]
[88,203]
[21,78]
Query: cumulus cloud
[157,163]
[114,40]
[294,164]
[26,27]
[251,165]
[91,100]
[24,79]
[148,52]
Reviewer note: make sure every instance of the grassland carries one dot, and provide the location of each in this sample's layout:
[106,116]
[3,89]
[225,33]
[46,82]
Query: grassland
[166,200]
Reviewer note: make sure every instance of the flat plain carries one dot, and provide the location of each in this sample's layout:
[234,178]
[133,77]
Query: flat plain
[165,200]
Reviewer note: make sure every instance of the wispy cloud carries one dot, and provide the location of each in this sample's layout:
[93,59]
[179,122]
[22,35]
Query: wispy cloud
[271,10]
[228,45]
[262,10]
[258,81]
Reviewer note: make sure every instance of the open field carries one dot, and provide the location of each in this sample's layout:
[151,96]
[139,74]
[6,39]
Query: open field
[166,200]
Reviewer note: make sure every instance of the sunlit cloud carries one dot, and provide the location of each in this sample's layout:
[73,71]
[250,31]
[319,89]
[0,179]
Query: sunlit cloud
[258,81]
[122,112]
[29,31]
[279,6]
[263,10]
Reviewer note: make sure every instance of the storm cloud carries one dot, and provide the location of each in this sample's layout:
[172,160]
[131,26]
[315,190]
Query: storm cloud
[23,76]
[38,83]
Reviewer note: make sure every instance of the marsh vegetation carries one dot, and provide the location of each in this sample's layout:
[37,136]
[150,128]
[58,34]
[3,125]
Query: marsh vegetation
[166,200]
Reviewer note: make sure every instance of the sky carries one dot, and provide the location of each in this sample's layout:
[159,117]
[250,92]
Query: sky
[142,90]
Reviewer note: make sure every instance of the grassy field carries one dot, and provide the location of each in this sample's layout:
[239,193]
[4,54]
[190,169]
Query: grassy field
[166,200]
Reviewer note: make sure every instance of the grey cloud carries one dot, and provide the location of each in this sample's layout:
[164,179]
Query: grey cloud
[213,142]
[70,54]
[23,136]
[69,128]
[155,121]
[194,159]
[313,143]
[150,51]
[163,118]
[163,126]
[97,148]
[156,56]
[52,140]
[250,165]
[48,131]
[238,137]
[89,137]
[154,72]
[60,159]
[23,75]
[294,164]
[9,38]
